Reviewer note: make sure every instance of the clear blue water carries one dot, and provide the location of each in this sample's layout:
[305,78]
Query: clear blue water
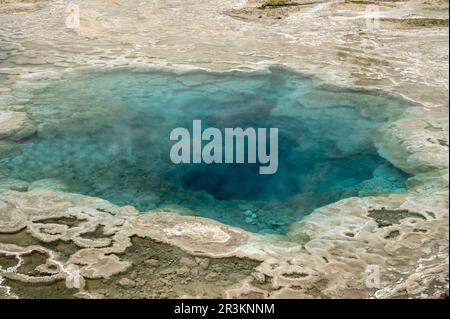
[106,134]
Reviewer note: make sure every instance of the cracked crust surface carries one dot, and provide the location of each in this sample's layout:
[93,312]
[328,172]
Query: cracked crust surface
[43,232]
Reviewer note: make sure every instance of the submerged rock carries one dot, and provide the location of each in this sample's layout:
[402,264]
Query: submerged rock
[6,147]
[15,125]
[405,235]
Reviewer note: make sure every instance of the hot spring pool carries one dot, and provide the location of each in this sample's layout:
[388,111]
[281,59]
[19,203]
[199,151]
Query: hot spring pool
[106,134]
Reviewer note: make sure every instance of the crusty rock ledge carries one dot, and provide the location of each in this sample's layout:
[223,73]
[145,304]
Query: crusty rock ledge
[326,256]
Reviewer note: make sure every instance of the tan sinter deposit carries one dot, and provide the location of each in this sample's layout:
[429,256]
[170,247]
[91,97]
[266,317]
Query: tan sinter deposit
[45,232]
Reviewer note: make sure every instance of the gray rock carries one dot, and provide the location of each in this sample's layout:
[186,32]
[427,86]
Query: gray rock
[15,125]
[13,184]
[127,283]
[248,213]
[183,271]
[50,183]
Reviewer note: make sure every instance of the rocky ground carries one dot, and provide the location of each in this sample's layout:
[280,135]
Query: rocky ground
[10,6]
[47,235]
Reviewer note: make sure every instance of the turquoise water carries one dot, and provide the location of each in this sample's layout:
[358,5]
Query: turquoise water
[106,134]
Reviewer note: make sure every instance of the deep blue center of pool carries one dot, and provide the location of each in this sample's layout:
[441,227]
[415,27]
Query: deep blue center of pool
[106,134]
